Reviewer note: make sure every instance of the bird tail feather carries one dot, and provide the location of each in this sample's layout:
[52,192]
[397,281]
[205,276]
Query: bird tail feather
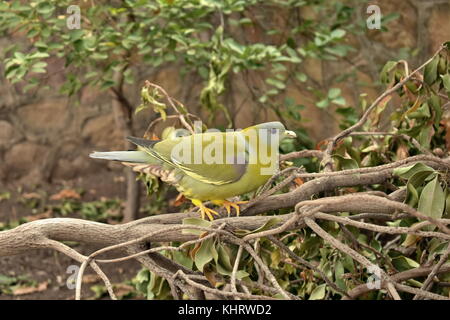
[124,156]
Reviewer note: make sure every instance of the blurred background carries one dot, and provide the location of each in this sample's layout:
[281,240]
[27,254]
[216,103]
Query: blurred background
[71,80]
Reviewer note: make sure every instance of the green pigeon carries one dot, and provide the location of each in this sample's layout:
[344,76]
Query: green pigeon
[211,166]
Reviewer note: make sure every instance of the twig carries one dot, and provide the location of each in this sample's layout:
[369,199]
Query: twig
[382,229]
[219,292]
[374,201]
[398,277]
[393,165]
[173,103]
[428,282]
[302,154]
[305,263]
[352,253]
[90,258]
[420,292]
[327,160]
[401,135]
[235,269]
[80,258]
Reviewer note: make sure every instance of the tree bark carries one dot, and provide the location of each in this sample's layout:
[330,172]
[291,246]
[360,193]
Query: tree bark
[123,116]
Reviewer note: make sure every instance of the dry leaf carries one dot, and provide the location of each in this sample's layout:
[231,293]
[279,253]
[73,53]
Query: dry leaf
[446,123]
[91,278]
[31,195]
[66,194]
[298,181]
[43,215]
[119,179]
[197,246]
[27,290]
[379,110]
[179,200]
[122,289]
[410,240]
[402,152]
[321,143]
[211,277]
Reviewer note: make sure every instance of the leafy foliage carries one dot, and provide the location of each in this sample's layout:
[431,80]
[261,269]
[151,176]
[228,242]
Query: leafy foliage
[415,126]
[212,39]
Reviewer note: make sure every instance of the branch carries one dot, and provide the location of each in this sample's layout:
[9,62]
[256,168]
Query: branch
[327,160]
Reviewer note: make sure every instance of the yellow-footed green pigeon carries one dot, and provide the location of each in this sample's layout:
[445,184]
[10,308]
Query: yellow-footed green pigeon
[209,166]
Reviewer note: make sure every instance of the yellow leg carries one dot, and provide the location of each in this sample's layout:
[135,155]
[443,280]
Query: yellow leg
[204,210]
[228,204]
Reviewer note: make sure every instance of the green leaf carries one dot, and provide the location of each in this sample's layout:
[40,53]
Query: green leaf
[41,45]
[435,103]
[338,273]
[99,291]
[409,171]
[345,163]
[412,196]
[323,103]
[318,293]
[5,280]
[447,204]
[39,67]
[403,263]
[333,93]
[143,276]
[76,34]
[339,50]
[45,7]
[432,200]
[240,274]
[19,56]
[425,136]
[446,82]
[411,239]
[195,222]
[182,259]
[276,83]
[270,223]
[39,55]
[389,17]
[204,254]
[430,71]
[301,76]
[339,101]
[223,261]
[338,33]
[437,246]
[420,177]
[99,56]
[384,75]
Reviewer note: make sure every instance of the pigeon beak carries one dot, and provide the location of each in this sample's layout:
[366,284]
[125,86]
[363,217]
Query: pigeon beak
[290,134]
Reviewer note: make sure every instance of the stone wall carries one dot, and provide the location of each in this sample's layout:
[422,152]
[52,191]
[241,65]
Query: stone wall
[46,138]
